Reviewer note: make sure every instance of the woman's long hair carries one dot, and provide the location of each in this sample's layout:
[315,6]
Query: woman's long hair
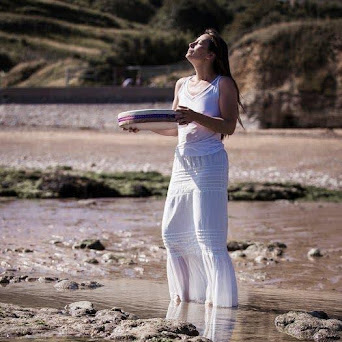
[221,62]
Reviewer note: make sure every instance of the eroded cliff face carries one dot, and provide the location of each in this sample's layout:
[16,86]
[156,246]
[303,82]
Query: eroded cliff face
[280,95]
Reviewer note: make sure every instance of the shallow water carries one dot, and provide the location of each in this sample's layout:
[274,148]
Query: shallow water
[252,320]
[131,227]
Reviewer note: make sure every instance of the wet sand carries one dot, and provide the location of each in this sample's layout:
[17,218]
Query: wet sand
[310,157]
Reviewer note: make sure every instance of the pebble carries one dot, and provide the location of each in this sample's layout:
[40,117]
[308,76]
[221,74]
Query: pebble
[90,244]
[91,261]
[314,252]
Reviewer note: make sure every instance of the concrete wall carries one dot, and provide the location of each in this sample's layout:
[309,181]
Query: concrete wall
[85,95]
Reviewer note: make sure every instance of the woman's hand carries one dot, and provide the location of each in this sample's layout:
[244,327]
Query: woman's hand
[186,115]
[134,130]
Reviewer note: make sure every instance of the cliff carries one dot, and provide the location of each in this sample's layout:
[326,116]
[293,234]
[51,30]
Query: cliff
[290,74]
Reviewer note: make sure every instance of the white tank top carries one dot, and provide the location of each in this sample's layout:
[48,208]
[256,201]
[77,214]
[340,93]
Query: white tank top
[195,139]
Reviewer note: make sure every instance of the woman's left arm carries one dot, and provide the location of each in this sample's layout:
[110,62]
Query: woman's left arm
[228,105]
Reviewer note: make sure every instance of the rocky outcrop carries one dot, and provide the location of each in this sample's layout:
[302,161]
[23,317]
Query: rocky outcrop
[290,74]
[66,284]
[81,319]
[266,191]
[66,185]
[257,251]
[314,325]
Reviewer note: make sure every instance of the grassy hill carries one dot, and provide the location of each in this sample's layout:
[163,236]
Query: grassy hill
[40,38]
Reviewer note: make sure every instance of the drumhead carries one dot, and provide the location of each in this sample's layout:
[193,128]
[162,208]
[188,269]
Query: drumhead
[148,119]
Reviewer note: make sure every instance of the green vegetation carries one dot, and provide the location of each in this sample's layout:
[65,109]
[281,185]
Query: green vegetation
[63,182]
[249,15]
[302,49]
[191,15]
[132,10]
[103,34]
[268,191]
[45,9]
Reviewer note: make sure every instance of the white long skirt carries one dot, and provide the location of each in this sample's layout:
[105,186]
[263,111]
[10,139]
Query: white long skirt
[194,231]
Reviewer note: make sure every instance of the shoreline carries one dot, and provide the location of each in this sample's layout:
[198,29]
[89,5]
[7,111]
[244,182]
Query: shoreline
[307,157]
[64,182]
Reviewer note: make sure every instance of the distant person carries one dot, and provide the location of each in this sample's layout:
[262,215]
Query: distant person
[138,80]
[195,218]
[128,82]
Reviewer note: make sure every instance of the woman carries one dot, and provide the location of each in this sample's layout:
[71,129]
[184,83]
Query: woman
[195,219]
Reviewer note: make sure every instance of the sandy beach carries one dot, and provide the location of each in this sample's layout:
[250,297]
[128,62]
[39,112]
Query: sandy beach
[40,238]
[311,157]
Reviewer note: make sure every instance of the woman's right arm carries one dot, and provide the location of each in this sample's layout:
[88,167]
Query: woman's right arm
[172,132]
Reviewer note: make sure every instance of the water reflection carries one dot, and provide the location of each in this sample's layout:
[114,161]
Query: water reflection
[214,323]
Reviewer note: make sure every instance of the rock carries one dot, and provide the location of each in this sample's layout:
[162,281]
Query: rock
[15,279]
[238,245]
[260,259]
[267,191]
[89,285]
[82,320]
[47,279]
[314,252]
[81,308]
[154,328]
[31,279]
[290,99]
[237,254]
[73,285]
[110,256]
[276,244]
[259,251]
[23,250]
[253,249]
[56,242]
[4,279]
[66,285]
[314,325]
[91,261]
[63,185]
[90,244]
[115,314]
[319,314]
[324,335]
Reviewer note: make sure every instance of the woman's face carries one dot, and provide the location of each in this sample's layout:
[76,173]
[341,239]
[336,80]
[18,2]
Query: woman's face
[198,50]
